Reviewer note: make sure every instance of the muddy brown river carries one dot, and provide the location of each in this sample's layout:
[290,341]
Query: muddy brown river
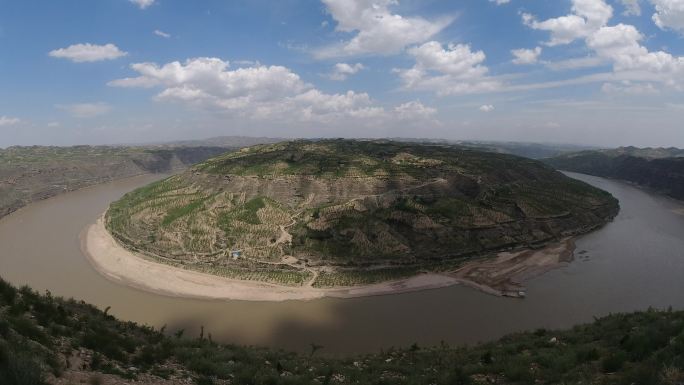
[634,263]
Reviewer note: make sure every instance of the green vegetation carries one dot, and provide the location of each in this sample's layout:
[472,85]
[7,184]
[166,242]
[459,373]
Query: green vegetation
[363,277]
[374,209]
[660,169]
[40,334]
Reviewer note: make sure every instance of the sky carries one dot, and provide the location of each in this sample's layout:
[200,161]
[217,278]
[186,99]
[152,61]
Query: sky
[599,72]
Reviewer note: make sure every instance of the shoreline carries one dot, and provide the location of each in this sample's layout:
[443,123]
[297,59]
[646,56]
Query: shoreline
[86,187]
[502,275]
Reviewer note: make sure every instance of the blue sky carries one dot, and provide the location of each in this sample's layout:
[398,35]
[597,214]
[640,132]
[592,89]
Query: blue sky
[605,72]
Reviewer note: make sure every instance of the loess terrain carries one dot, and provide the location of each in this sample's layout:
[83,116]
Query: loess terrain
[32,173]
[28,174]
[48,340]
[342,213]
[660,169]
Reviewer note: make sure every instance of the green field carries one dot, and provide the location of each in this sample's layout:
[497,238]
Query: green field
[343,207]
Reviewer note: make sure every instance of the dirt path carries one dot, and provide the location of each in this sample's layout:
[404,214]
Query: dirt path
[122,266]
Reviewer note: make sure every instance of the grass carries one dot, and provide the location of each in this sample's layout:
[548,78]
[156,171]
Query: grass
[182,211]
[372,204]
[363,277]
[640,348]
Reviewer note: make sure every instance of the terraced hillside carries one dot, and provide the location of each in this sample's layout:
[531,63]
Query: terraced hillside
[660,169]
[341,212]
[28,174]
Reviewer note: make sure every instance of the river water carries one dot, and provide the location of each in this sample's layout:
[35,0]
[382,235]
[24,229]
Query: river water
[633,263]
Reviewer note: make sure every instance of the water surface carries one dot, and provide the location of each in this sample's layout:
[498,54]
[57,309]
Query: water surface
[633,263]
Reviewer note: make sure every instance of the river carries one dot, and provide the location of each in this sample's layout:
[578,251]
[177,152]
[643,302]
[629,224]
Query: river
[635,262]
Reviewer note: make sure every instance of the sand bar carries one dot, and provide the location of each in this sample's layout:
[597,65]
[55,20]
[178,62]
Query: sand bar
[502,275]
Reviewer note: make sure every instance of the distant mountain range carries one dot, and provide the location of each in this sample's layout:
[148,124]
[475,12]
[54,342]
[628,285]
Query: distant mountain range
[527,150]
[661,169]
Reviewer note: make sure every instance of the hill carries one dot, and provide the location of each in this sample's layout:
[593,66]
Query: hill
[658,169]
[28,174]
[44,340]
[31,173]
[342,212]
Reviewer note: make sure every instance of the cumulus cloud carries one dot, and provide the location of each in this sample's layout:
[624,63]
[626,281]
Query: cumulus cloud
[455,69]
[618,45]
[414,110]
[258,92]
[376,29]
[341,71]
[669,14]
[486,108]
[621,45]
[587,17]
[87,52]
[632,7]
[142,4]
[526,56]
[162,34]
[8,121]
[86,110]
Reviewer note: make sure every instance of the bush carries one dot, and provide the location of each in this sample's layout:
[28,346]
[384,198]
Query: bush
[614,362]
[18,367]
[30,330]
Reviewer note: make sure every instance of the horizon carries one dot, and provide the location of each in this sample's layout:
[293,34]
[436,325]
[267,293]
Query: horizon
[208,142]
[603,73]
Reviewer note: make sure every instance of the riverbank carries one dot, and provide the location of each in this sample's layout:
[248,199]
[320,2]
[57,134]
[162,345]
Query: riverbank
[503,275]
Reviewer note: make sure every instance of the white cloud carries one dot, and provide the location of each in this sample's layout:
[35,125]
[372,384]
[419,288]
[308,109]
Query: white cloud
[8,121]
[86,110]
[377,30]
[87,52]
[143,4]
[342,71]
[53,124]
[414,110]
[587,17]
[629,88]
[632,7]
[454,70]
[162,34]
[500,2]
[669,14]
[486,108]
[259,92]
[526,56]
[619,45]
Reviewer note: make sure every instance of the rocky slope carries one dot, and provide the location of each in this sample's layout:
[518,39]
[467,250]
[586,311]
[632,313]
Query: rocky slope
[47,340]
[32,173]
[658,169]
[340,212]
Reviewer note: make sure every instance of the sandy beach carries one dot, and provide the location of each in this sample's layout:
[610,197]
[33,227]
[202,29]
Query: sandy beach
[502,275]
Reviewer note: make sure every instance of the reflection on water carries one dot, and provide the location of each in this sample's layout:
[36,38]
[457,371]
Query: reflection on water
[635,262]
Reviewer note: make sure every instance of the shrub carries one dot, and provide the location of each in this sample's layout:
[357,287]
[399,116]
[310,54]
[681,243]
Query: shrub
[19,367]
[614,362]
